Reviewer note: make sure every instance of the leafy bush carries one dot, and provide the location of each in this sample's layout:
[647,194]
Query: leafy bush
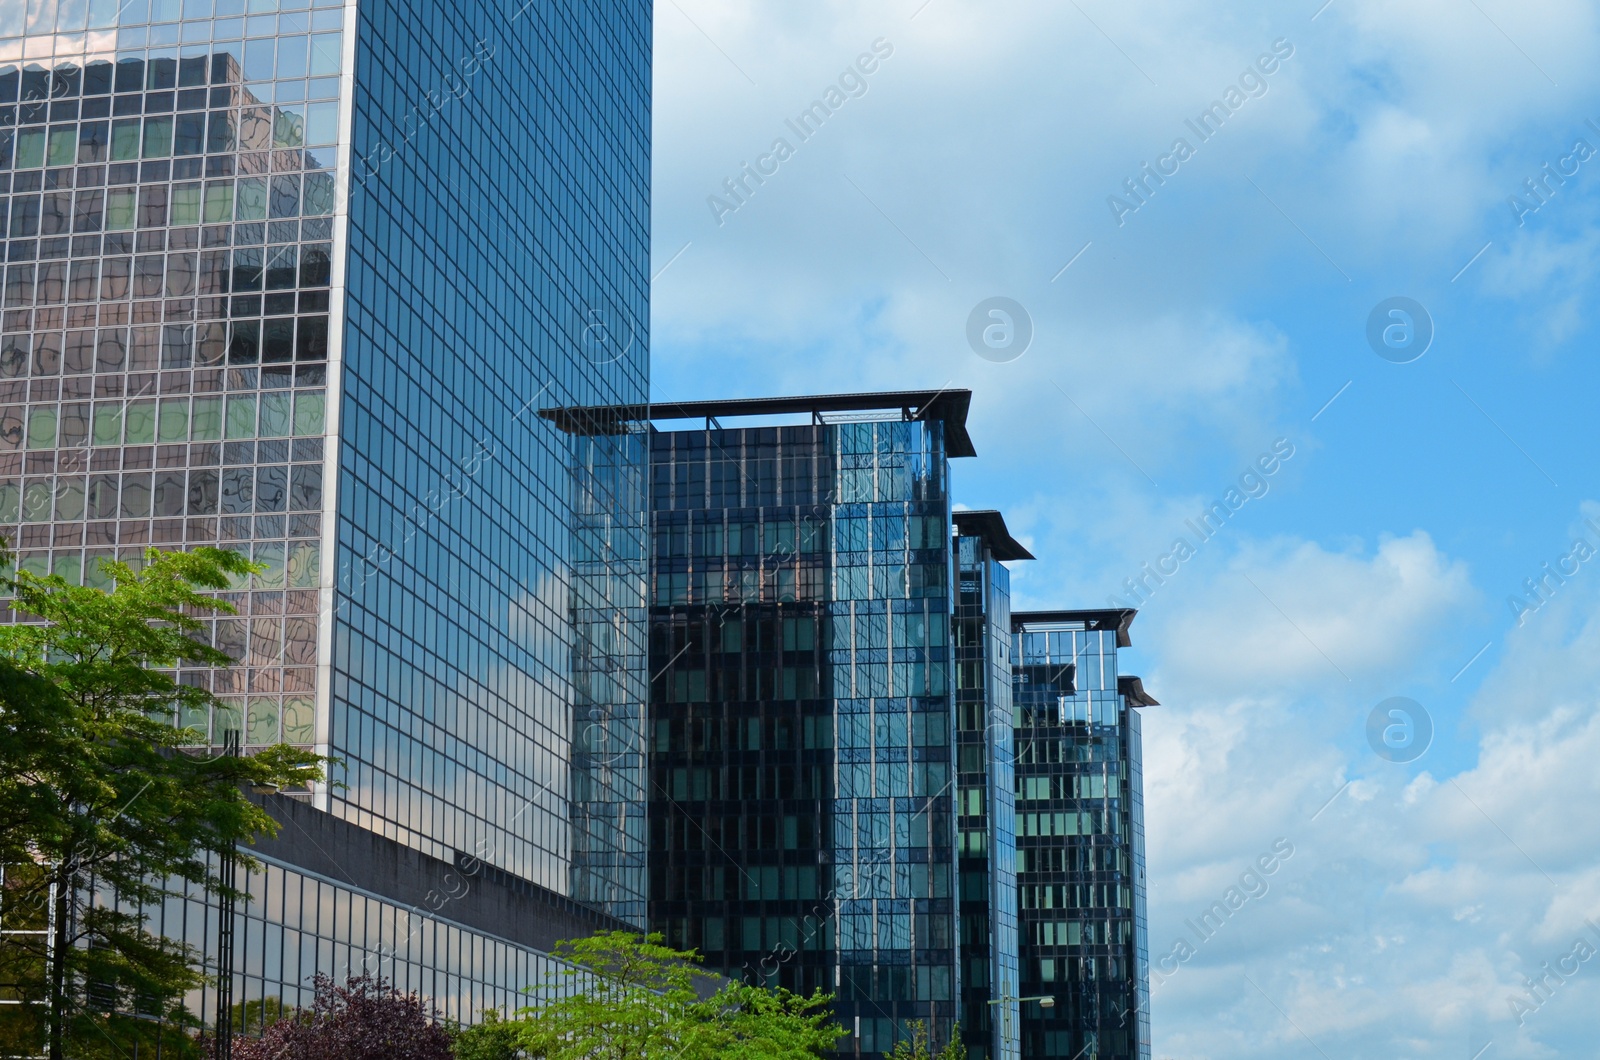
[365,1019]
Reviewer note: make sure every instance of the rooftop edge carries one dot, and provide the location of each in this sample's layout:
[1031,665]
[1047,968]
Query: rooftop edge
[947,405]
[991,526]
[1118,619]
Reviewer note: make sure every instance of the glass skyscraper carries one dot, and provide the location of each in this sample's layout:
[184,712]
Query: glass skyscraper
[986,842]
[293,277]
[1080,836]
[801,789]
[864,772]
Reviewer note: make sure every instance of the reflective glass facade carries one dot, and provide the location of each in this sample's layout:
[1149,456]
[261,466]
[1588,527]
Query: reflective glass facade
[1080,838]
[986,812]
[293,277]
[801,783]
[866,773]
[498,250]
[610,683]
[165,343]
[299,923]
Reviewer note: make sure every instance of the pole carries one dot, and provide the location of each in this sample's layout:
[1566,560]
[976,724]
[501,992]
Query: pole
[227,860]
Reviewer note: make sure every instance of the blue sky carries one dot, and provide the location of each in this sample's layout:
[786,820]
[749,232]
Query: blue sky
[1377,160]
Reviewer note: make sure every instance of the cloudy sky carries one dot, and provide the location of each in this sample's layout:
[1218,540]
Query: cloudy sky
[1368,151]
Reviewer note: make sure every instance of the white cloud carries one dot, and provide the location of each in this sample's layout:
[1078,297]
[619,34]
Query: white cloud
[979,163]
[1300,615]
[1412,907]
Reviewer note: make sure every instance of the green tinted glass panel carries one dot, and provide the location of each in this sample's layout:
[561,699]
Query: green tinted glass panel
[263,724]
[157,137]
[241,417]
[252,204]
[194,718]
[308,409]
[108,423]
[141,423]
[299,721]
[63,149]
[225,717]
[42,428]
[69,499]
[93,576]
[304,566]
[121,208]
[271,556]
[174,421]
[219,202]
[30,149]
[70,568]
[125,140]
[288,128]
[207,424]
[186,204]
[275,414]
[36,502]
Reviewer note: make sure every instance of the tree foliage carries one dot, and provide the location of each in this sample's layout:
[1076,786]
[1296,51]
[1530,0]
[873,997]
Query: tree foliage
[103,811]
[629,997]
[365,1019]
[496,1038]
[919,1046]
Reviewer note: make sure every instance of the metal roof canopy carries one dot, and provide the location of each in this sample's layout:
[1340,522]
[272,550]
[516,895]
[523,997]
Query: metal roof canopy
[1132,689]
[1118,619]
[991,526]
[948,405]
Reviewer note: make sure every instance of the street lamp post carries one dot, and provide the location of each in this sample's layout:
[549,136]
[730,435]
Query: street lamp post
[1045,1001]
[227,860]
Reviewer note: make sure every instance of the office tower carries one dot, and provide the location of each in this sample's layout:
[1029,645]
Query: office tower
[800,758]
[986,844]
[293,277]
[1080,836]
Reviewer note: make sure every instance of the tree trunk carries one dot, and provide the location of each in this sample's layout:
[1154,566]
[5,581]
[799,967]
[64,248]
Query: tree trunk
[58,960]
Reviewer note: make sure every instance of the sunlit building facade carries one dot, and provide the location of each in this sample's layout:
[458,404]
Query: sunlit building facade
[293,277]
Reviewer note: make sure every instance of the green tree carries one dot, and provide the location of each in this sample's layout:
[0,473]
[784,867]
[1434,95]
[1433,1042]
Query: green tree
[628,997]
[919,1046]
[496,1038]
[744,1020]
[365,1019]
[103,813]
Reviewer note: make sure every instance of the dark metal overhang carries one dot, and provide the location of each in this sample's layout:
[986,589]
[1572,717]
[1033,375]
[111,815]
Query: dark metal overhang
[1118,619]
[990,525]
[949,406]
[1132,689]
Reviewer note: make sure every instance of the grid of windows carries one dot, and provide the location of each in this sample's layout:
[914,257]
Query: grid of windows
[610,571]
[298,923]
[164,339]
[1079,858]
[986,825]
[498,231]
[800,764]
[256,295]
